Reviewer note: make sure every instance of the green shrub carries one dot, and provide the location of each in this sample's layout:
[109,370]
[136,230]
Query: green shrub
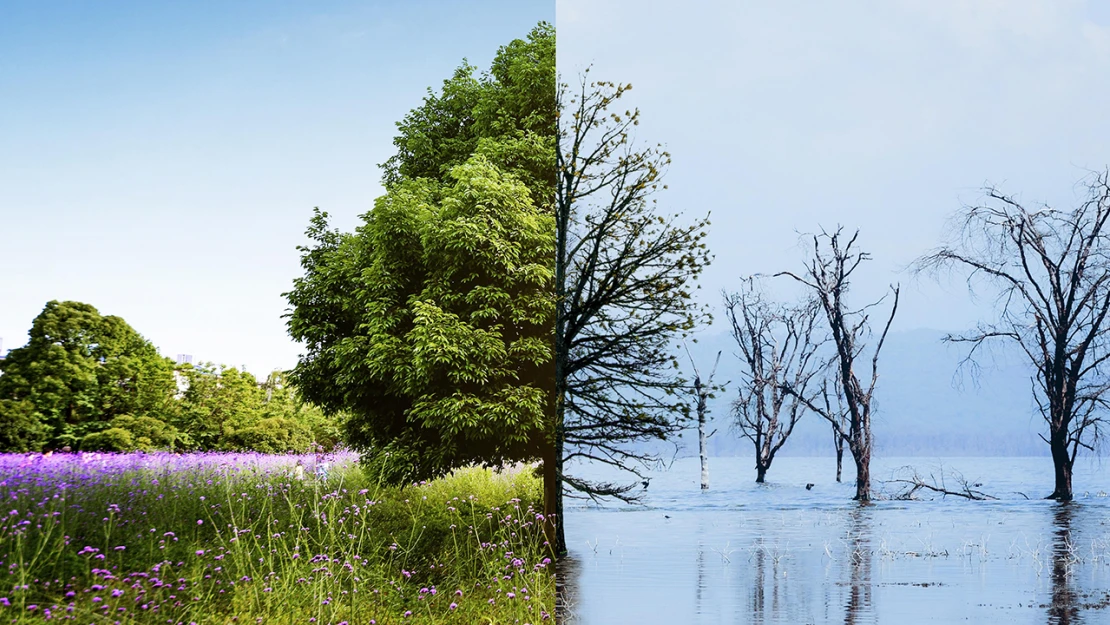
[273,435]
[112,439]
[21,430]
[149,434]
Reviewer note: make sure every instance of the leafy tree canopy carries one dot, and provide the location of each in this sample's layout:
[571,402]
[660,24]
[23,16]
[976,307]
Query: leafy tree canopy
[432,323]
[507,114]
[21,430]
[80,369]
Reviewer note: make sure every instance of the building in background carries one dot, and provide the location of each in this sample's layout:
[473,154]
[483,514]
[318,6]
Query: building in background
[179,378]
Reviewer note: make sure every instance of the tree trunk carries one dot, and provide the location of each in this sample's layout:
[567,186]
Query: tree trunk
[863,476]
[552,529]
[703,447]
[559,386]
[553,481]
[839,461]
[760,472]
[1061,460]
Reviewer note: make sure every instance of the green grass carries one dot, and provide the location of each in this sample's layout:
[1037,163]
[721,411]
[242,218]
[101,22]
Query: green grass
[212,545]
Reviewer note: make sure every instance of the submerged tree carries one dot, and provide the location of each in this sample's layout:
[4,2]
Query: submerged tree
[828,276]
[778,348]
[624,273]
[703,392]
[1051,270]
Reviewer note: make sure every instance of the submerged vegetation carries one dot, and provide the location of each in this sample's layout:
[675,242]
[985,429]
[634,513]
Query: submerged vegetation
[217,538]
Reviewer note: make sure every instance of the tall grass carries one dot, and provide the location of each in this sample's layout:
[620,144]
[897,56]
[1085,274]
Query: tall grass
[222,538]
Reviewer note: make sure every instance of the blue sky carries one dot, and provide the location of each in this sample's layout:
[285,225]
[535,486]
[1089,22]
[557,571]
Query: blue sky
[160,160]
[882,115]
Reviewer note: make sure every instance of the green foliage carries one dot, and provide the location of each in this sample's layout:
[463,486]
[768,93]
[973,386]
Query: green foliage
[432,323]
[148,433]
[507,114]
[273,435]
[217,401]
[80,369]
[21,430]
[283,401]
[226,409]
[111,439]
[447,360]
[92,382]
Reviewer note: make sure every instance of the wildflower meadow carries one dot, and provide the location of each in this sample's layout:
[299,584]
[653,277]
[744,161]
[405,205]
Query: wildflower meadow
[254,538]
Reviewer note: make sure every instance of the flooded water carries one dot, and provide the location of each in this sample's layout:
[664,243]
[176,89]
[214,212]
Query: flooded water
[779,553]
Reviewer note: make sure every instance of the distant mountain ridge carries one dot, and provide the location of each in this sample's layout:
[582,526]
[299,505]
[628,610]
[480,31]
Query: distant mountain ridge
[925,403]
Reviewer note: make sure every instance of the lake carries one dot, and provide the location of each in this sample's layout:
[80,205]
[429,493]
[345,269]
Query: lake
[778,553]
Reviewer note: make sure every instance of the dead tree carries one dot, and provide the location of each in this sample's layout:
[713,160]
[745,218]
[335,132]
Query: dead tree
[828,276]
[1051,271]
[841,424]
[703,392]
[778,348]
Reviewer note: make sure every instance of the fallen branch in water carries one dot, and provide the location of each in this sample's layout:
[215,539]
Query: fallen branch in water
[915,483]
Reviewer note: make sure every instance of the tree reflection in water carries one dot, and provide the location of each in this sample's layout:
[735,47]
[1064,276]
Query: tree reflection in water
[1064,609]
[701,576]
[858,541]
[566,589]
[758,584]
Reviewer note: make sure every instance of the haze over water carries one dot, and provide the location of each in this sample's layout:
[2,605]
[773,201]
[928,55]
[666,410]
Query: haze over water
[778,553]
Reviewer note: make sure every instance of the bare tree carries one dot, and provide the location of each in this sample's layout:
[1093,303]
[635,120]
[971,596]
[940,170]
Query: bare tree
[703,392]
[828,276]
[624,277]
[1051,271]
[778,349]
[841,424]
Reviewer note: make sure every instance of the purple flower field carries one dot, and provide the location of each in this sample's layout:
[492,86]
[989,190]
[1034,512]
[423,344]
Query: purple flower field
[240,537]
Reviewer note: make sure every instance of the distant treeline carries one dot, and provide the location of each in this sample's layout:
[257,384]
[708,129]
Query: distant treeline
[90,382]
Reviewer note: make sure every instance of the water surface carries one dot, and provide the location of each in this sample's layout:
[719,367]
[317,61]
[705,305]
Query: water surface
[779,553]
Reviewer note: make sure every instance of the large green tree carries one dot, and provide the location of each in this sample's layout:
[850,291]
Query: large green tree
[80,369]
[432,323]
[442,349]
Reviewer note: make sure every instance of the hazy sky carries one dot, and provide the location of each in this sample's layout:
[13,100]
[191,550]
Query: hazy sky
[160,160]
[881,115]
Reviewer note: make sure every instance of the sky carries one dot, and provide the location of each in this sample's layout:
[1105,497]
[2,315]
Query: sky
[161,161]
[886,116]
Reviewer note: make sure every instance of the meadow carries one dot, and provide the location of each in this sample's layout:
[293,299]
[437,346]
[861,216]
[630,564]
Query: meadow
[250,538]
